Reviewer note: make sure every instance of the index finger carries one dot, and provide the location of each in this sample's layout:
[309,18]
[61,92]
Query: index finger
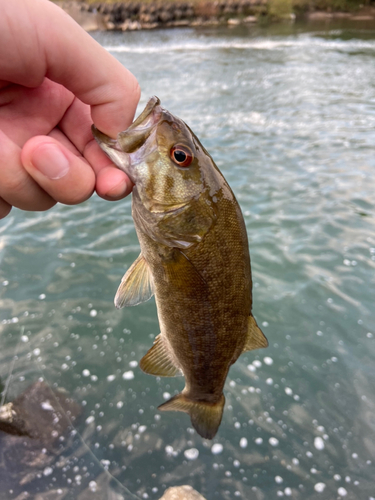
[56,47]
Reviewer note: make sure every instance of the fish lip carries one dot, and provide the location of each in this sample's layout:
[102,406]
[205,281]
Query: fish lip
[134,137]
[142,120]
[132,145]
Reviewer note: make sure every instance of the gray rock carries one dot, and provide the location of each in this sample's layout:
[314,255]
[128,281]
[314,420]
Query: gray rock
[181,493]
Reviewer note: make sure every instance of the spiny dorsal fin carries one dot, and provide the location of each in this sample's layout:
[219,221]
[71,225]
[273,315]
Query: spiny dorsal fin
[136,285]
[158,361]
[205,416]
[255,337]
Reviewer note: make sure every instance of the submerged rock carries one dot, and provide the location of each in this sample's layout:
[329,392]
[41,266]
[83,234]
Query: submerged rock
[33,431]
[181,493]
[39,413]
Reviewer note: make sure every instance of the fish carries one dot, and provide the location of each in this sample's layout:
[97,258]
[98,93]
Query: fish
[194,259]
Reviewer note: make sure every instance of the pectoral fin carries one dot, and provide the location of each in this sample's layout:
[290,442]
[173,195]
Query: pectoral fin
[181,271]
[136,285]
[255,337]
[158,361]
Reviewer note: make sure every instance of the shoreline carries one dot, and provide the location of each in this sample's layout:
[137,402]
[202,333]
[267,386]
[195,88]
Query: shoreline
[137,15]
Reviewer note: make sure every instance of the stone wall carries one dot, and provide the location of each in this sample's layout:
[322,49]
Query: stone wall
[134,15]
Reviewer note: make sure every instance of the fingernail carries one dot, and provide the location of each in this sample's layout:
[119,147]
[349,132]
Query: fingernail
[119,191]
[50,161]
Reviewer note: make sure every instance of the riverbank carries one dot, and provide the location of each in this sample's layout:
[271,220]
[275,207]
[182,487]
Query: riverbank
[150,14]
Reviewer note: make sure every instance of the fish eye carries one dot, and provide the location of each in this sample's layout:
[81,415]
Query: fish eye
[181,155]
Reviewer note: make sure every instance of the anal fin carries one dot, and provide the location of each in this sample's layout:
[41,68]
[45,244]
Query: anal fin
[158,361]
[136,285]
[255,337]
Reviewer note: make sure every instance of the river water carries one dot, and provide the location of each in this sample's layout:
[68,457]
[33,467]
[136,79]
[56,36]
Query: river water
[288,114]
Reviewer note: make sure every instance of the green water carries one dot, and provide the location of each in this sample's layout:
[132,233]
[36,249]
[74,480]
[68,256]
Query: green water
[288,114]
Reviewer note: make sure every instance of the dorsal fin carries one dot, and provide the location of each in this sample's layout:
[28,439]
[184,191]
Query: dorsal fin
[255,337]
[136,286]
[158,361]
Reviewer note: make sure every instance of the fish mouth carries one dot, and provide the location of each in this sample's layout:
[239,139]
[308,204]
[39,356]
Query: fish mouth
[131,145]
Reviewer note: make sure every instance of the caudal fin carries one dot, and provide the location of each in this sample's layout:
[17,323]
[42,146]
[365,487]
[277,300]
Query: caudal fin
[205,417]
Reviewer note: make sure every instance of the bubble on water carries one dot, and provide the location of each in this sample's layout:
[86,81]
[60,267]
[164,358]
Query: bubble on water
[319,487]
[243,442]
[337,477]
[36,352]
[93,486]
[191,454]
[265,323]
[251,368]
[111,378]
[24,338]
[93,313]
[64,367]
[216,448]
[273,441]
[90,420]
[279,479]
[269,381]
[46,405]
[342,492]
[288,391]
[133,364]
[47,471]
[42,296]
[119,404]
[267,360]
[169,450]
[86,373]
[288,492]
[236,463]
[129,375]
[369,335]
[257,363]
[295,461]
[319,443]
[355,455]
[166,395]
[259,441]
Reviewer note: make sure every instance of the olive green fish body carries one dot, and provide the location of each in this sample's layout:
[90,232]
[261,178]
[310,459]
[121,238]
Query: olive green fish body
[194,258]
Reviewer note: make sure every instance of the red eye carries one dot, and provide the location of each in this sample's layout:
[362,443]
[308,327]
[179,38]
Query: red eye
[181,155]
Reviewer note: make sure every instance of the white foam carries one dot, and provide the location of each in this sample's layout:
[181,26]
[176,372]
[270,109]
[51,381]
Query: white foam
[319,487]
[319,443]
[216,448]
[191,454]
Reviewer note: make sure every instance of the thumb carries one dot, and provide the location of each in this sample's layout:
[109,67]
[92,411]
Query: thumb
[65,176]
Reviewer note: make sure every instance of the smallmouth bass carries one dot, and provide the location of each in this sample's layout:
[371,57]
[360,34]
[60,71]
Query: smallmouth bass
[194,258]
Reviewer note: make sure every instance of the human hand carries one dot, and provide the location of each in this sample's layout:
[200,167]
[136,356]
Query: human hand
[54,81]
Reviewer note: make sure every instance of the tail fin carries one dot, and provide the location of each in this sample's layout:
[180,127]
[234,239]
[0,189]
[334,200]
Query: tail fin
[205,416]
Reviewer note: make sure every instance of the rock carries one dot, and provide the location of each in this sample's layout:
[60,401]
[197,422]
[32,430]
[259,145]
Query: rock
[34,432]
[39,413]
[234,21]
[131,25]
[181,493]
[250,19]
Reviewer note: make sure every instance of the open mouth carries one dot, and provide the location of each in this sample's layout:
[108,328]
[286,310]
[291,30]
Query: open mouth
[130,146]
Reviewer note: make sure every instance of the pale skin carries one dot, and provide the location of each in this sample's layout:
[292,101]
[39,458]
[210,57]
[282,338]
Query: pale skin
[55,81]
